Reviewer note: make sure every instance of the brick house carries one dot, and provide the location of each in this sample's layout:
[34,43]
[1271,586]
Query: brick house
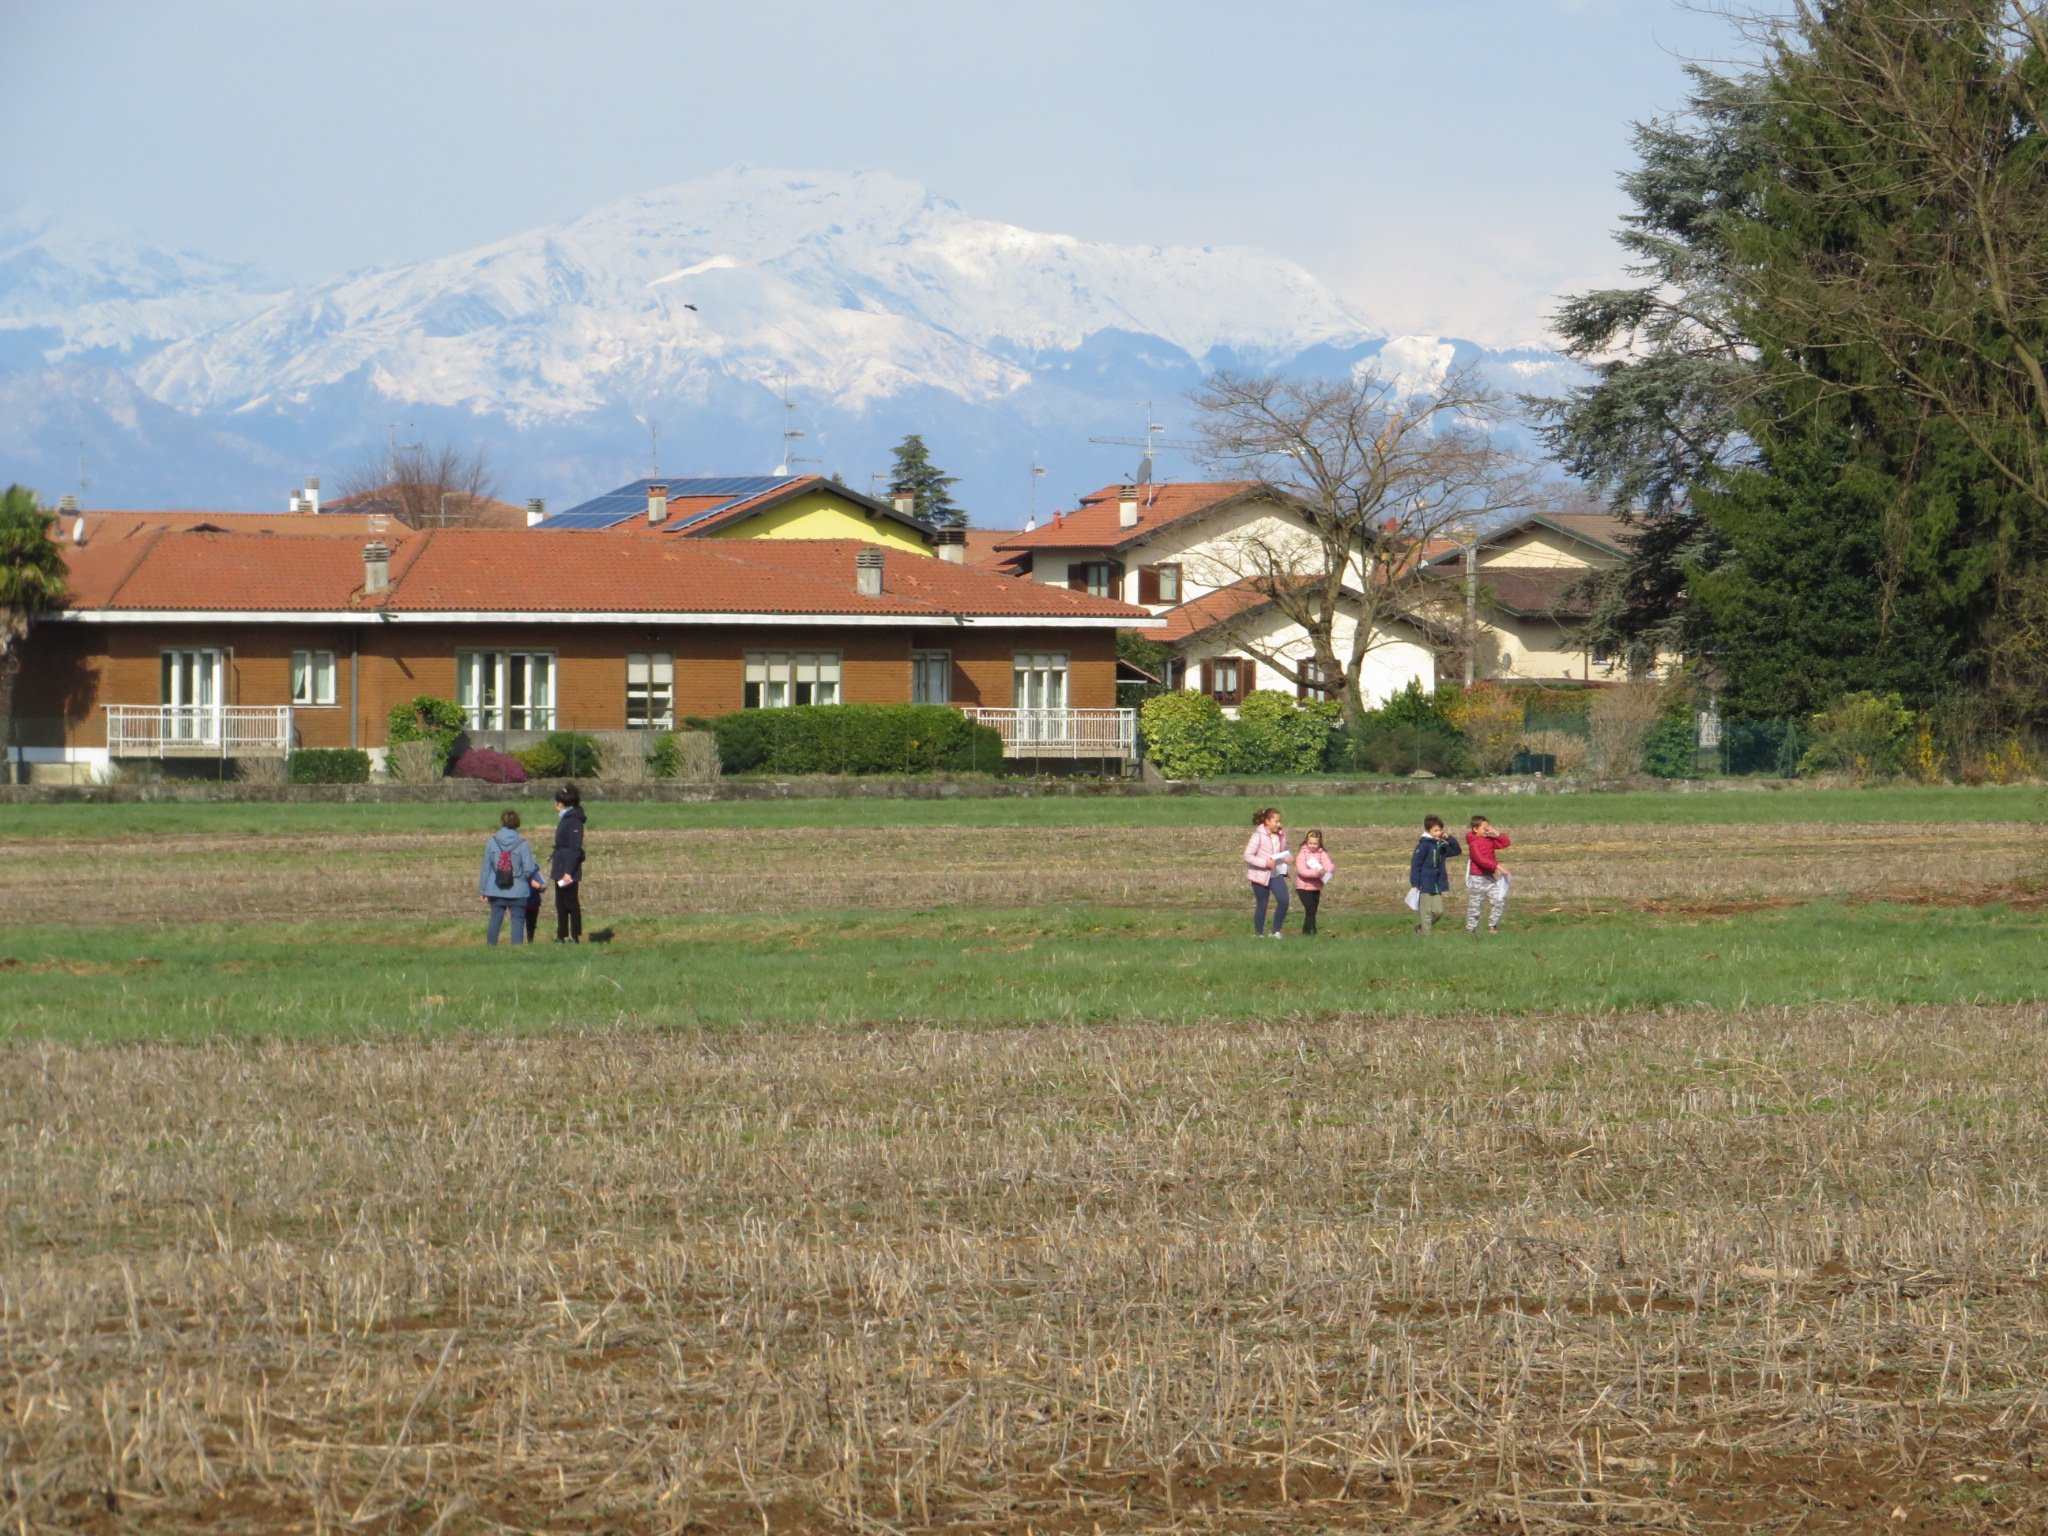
[183,642]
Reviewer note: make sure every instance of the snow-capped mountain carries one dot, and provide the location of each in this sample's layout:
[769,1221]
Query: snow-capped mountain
[755,315]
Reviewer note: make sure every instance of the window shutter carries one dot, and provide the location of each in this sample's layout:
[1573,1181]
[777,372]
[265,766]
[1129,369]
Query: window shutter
[1077,577]
[1148,583]
[1208,677]
[1247,677]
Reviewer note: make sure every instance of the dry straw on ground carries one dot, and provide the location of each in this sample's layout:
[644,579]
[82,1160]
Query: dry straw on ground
[1662,1273]
[423,876]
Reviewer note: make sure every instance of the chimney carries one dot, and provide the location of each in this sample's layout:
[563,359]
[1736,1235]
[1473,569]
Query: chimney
[952,545]
[310,496]
[1127,506]
[67,503]
[657,503]
[294,506]
[904,500]
[376,566]
[536,511]
[867,572]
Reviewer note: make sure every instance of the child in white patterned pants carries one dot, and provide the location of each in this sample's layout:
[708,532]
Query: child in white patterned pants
[1486,883]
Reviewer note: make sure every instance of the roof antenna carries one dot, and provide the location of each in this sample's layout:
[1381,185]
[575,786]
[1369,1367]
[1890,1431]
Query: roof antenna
[654,432]
[791,435]
[1037,474]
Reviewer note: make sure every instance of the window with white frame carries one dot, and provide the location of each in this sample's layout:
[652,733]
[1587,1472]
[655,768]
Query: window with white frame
[931,677]
[506,690]
[1039,681]
[650,691]
[312,677]
[778,679]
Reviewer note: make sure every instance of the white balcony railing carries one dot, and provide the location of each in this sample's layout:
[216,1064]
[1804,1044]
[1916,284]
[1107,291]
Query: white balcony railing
[1062,732]
[199,730]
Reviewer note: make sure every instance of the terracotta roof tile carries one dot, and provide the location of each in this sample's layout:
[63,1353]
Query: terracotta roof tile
[1095,524]
[485,570]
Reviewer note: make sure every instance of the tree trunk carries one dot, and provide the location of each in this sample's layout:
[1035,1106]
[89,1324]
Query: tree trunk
[10,664]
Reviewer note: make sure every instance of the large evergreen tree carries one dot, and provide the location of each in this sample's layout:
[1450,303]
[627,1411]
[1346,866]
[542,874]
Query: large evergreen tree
[1671,364]
[1893,271]
[929,486]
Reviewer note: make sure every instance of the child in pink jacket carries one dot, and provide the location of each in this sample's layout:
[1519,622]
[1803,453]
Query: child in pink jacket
[1265,865]
[1312,866]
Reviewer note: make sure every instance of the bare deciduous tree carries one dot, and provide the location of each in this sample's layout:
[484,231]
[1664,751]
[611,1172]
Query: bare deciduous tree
[1370,473]
[424,485]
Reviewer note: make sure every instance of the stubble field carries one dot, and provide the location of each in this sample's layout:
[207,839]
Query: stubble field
[1018,1190]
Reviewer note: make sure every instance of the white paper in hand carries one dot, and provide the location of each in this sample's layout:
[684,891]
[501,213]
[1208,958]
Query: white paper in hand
[1414,899]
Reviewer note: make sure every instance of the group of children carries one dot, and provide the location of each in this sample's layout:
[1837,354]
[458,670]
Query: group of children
[1266,861]
[510,882]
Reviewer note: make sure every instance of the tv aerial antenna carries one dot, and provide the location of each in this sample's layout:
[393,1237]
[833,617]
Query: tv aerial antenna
[1151,442]
[791,434]
[1037,474]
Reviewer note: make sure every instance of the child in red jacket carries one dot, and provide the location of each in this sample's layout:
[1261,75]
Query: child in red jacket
[1486,883]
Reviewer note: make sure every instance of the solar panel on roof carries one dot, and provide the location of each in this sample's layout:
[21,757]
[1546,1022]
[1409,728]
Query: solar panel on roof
[630,500]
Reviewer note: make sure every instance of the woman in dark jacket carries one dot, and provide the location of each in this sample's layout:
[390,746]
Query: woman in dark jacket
[565,868]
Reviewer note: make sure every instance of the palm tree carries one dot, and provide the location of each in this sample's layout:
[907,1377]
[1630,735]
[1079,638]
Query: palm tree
[31,584]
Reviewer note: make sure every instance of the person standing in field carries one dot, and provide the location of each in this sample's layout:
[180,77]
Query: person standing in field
[1312,867]
[565,865]
[1265,865]
[1429,874]
[509,872]
[1486,883]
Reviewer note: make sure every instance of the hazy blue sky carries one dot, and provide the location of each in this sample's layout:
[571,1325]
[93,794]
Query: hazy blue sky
[1448,165]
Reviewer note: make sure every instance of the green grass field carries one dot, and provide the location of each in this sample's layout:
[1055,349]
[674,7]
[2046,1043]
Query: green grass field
[955,968]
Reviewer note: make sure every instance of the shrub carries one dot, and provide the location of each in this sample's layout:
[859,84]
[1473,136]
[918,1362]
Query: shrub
[691,756]
[1409,733]
[1186,736]
[577,754]
[541,761]
[1569,752]
[414,762]
[330,765]
[1621,720]
[1490,720]
[427,718]
[269,771]
[488,766]
[1861,734]
[856,738]
[1671,750]
[1275,734]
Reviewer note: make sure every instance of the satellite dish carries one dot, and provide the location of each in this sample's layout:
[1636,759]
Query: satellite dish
[1145,470]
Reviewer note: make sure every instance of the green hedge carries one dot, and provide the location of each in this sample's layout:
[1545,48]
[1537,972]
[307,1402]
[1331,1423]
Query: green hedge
[1187,736]
[329,765]
[856,738]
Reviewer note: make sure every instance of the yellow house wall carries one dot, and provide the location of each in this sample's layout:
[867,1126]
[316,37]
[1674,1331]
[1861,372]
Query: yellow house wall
[1539,548]
[821,515]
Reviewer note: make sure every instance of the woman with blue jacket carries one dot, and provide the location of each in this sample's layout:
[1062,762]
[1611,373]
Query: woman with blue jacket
[509,872]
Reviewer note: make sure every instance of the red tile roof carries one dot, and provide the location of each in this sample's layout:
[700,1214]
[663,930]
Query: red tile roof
[1209,610]
[496,571]
[103,526]
[1095,524]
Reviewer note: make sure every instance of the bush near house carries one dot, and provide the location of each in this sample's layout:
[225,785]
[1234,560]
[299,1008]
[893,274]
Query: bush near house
[1412,732]
[566,754]
[1186,736]
[1491,719]
[856,738]
[691,756]
[329,765]
[1862,734]
[489,767]
[429,719]
[1273,733]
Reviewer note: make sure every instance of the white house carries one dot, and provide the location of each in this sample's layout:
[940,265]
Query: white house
[1194,553]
